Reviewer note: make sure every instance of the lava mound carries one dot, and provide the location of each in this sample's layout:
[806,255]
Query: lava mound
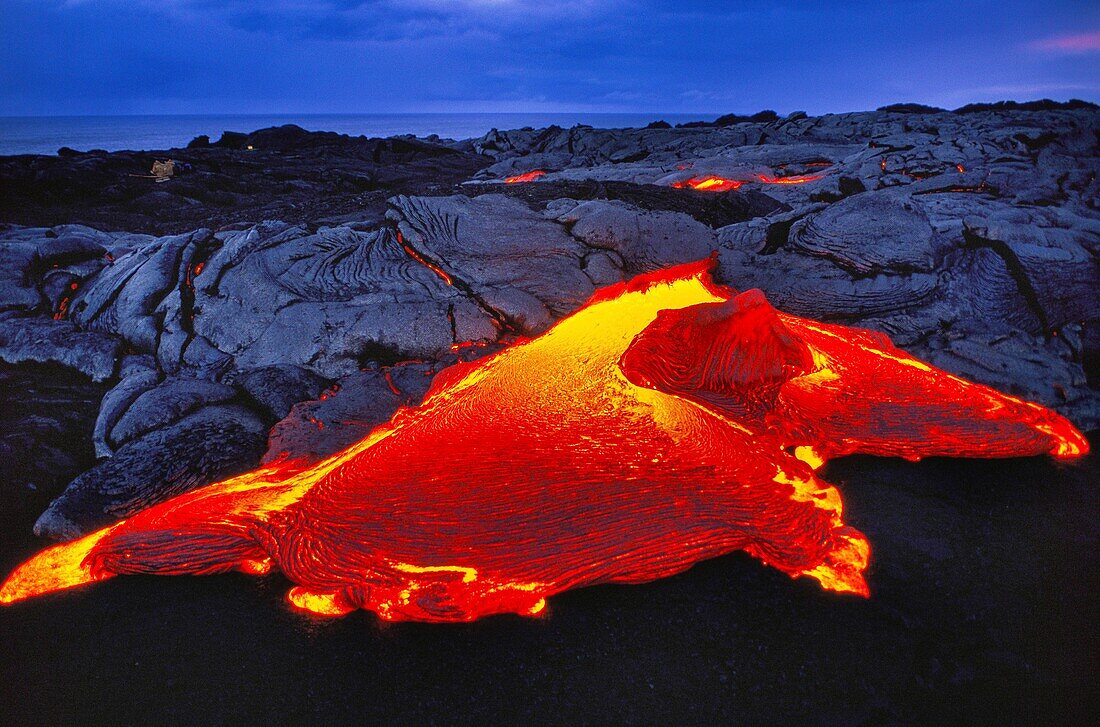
[667,421]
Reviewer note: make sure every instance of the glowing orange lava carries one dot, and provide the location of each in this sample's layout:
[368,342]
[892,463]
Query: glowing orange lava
[191,273]
[62,308]
[411,252]
[713,183]
[525,177]
[645,432]
[388,376]
[460,345]
[709,184]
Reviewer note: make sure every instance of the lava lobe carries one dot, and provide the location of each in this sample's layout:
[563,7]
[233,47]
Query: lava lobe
[667,421]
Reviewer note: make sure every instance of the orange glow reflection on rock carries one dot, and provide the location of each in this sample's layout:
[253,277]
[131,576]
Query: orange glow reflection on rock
[525,177]
[765,179]
[645,432]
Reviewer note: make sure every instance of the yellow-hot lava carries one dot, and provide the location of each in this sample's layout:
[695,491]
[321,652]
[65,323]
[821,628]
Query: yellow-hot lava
[643,433]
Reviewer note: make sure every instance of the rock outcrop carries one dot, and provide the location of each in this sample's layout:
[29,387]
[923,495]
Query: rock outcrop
[284,173]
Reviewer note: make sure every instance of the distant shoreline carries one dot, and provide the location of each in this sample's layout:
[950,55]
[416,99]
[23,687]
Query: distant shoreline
[46,134]
[156,132]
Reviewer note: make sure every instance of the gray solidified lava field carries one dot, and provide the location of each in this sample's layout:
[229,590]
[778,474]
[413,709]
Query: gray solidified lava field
[291,289]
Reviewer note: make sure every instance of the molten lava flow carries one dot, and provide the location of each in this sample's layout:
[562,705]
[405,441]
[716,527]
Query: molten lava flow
[525,177]
[709,184]
[830,390]
[908,408]
[643,433]
[714,183]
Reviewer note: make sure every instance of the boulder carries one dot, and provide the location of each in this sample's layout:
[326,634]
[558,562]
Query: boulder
[518,265]
[347,411]
[205,446]
[329,301]
[644,241]
[42,340]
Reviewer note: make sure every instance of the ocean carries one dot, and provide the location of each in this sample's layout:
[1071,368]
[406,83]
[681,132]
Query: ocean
[46,134]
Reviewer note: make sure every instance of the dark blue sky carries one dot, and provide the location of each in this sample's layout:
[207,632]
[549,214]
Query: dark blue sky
[711,56]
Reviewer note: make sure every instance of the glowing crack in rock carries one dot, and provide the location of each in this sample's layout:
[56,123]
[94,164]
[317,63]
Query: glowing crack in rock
[667,421]
[765,179]
[525,177]
[709,184]
[713,183]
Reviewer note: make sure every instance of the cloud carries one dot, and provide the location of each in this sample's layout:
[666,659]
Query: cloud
[380,20]
[702,56]
[1077,44]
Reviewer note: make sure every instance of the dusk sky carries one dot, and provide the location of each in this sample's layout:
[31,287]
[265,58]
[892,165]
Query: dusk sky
[711,56]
